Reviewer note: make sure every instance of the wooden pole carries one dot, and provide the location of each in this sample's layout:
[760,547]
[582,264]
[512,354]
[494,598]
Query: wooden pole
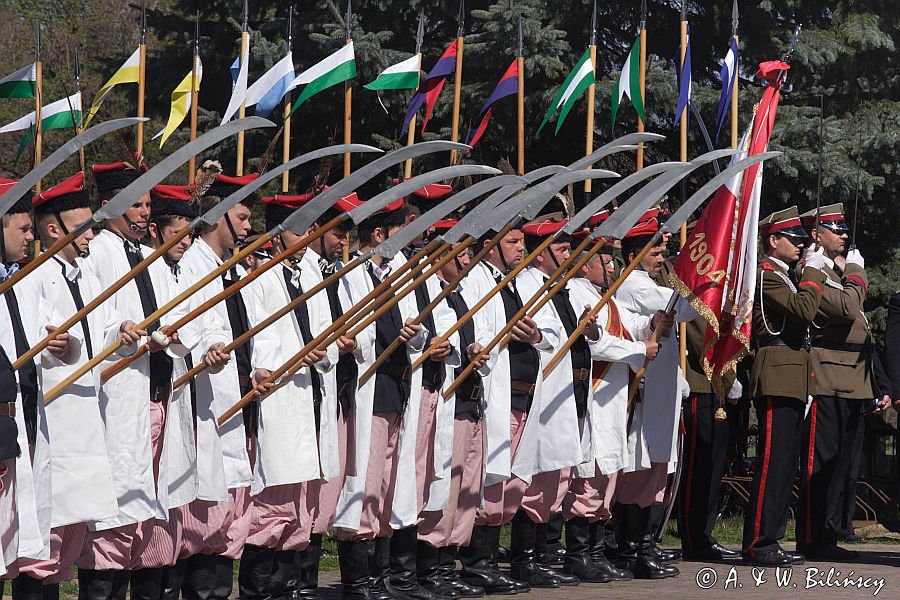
[589,137]
[682,234]
[38,100]
[643,80]
[142,83]
[520,102]
[195,92]
[457,88]
[411,132]
[242,111]
[348,120]
[286,144]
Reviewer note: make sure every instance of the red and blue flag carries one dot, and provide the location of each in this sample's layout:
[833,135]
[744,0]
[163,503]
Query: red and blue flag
[507,86]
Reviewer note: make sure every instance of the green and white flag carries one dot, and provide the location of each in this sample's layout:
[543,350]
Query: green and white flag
[335,69]
[20,84]
[629,83]
[580,79]
[62,114]
[402,76]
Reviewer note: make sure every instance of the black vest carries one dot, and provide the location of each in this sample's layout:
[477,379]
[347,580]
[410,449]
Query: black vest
[392,379]
[470,392]
[346,371]
[524,360]
[433,372]
[579,352]
[9,445]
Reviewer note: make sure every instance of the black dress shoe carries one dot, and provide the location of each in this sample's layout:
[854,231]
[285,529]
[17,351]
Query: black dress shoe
[564,579]
[712,553]
[854,538]
[769,558]
[492,582]
[796,558]
[828,552]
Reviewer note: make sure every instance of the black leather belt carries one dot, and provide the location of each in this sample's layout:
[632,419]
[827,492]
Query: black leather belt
[8,409]
[771,341]
[402,373]
[842,347]
[161,393]
[522,386]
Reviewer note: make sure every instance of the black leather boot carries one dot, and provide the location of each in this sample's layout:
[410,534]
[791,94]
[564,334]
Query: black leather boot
[429,571]
[379,568]
[146,584]
[96,584]
[285,575]
[27,588]
[578,557]
[599,541]
[662,555]
[308,561]
[354,561]
[636,552]
[556,553]
[447,567]
[199,581]
[224,577]
[522,563]
[542,556]
[404,582]
[478,569]
[172,579]
[255,573]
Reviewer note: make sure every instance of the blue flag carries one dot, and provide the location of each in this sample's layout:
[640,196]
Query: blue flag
[684,82]
[728,74]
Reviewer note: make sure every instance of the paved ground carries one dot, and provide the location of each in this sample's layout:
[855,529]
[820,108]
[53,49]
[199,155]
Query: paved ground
[876,573]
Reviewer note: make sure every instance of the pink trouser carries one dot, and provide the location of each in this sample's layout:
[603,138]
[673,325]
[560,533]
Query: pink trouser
[425,445]
[9,524]
[65,547]
[322,496]
[644,487]
[157,540]
[278,518]
[591,497]
[453,526]
[217,527]
[381,478]
[538,500]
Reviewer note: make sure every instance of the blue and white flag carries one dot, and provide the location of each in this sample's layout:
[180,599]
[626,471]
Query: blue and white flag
[267,91]
[239,85]
[728,74]
[684,83]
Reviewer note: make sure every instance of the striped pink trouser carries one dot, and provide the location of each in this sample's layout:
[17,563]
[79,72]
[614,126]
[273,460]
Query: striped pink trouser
[279,519]
[538,500]
[65,547]
[591,497]
[425,446]
[322,496]
[216,527]
[381,478]
[453,526]
[644,487]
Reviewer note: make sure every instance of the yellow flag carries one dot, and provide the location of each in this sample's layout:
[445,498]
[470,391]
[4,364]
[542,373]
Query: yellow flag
[181,104]
[129,72]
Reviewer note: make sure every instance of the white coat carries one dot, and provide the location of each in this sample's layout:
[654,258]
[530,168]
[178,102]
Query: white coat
[74,481]
[654,429]
[354,286]
[498,460]
[607,408]
[286,447]
[222,460]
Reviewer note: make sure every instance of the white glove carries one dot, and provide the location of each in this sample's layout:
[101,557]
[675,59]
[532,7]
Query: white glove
[815,258]
[736,391]
[855,258]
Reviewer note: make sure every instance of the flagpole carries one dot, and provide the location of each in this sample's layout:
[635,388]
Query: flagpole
[682,236]
[286,142]
[348,98]
[411,133]
[195,89]
[520,70]
[457,79]
[78,128]
[242,110]
[142,79]
[589,141]
[38,99]
[643,80]
[735,139]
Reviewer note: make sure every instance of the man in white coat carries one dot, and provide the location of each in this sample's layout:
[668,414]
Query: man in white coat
[619,351]
[70,461]
[509,389]
[286,450]
[217,523]
[653,433]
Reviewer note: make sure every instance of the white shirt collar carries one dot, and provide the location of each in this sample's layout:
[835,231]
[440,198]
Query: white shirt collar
[780,263]
[70,271]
